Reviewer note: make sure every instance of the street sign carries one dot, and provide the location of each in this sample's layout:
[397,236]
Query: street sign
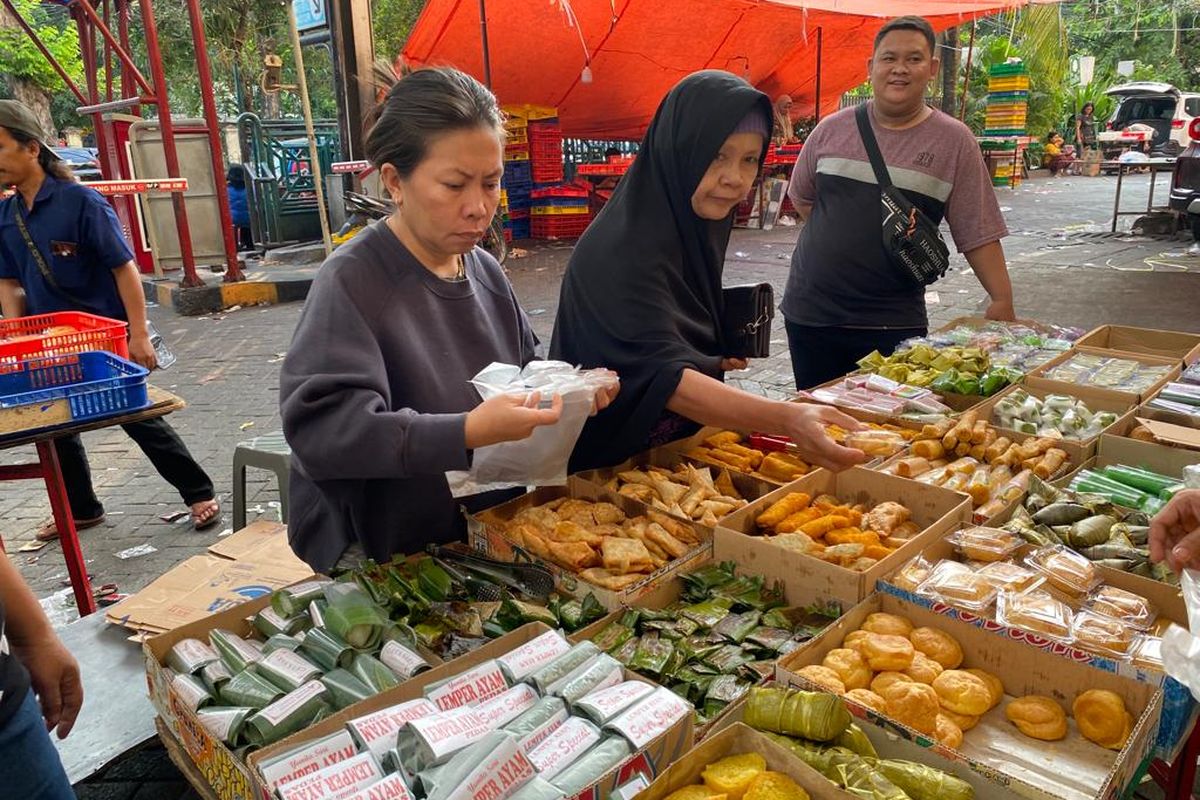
[309,14]
[345,167]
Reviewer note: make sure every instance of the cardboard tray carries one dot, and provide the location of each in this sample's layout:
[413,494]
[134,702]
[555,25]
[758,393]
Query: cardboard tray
[1167,433]
[1073,769]
[861,415]
[662,751]
[1181,346]
[1064,387]
[1112,450]
[681,446]
[938,511]
[486,535]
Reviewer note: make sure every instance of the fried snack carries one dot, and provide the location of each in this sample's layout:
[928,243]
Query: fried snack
[719,440]
[610,580]
[571,531]
[823,525]
[986,544]
[963,693]
[698,792]
[681,531]
[732,775]
[1102,718]
[626,555]
[849,666]
[783,467]
[1038,717]
[886,517]
[994,685]
[1103,634]
[938,645]
[963,721]
[867,698]
[529,537]
[658,534]
[914,704]
[881,682]
[923,668]
[797,542]
[775,786]
[575,556]
[890,624]
[783,508]
[824,677]
[854,640]
[1007,576]
[947,733]
[887,653]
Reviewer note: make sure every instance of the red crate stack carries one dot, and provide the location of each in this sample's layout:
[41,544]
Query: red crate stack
[560,226]
[546,150]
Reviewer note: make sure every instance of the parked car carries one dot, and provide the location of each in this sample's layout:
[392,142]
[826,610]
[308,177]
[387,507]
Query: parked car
[83,161]
[1185,185]
[1159,106]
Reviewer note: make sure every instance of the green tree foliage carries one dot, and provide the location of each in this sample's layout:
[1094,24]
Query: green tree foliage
[1153,33]
[391,21]
[26,74]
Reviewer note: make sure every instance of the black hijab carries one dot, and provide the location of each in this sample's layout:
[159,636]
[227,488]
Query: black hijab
[642,293]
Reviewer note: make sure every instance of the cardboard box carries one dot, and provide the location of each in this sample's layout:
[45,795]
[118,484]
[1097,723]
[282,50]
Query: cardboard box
[486,535]
[1181,346]
[1064,387]
[662,751]
[248,564]
[1168,433]
[1114,450]
[938,511]
[1072,768]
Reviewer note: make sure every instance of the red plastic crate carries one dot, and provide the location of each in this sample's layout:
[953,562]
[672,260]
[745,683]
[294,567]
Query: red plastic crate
[22,338]
[570,226]
[565,190]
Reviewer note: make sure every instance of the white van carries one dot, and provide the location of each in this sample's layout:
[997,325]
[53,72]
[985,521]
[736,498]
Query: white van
[1158,105]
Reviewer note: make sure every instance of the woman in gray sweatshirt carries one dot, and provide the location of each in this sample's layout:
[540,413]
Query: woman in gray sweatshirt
[374,391]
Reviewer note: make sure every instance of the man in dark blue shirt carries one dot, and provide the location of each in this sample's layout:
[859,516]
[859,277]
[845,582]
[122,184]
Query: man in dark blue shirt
[61,249]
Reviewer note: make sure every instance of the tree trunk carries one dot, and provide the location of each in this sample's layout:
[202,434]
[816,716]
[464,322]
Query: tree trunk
[38,101]
[949,70]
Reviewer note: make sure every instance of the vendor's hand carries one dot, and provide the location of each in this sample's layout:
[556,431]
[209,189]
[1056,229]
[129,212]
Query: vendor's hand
[1001,311]
[603,398]
[732,364]
[1175,532]
[508,418]
[805,425]
[141,351]
[55,678]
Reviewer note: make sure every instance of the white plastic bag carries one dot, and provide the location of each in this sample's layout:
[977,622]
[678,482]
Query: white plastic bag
[1180,648]
[541,459]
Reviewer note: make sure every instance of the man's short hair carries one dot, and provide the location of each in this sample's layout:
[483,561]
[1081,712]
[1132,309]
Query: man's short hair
[909,23]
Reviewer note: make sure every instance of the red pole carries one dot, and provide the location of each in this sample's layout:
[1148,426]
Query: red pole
[122,53]
[87,49]
[128,88]
[37,42]
[186,254]
[108,70]
[233,272]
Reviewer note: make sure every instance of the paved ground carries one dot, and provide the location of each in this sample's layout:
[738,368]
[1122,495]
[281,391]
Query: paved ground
[1065,269]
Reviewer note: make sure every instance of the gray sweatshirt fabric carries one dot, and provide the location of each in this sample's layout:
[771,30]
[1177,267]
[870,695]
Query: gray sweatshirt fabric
[374,394]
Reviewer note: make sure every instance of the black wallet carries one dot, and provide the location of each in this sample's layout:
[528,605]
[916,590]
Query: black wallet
[747,322]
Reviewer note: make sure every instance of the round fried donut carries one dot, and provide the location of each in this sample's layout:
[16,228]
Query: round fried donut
[963,693]
[888,624]
[938,645]
[1038,717]
[887,653]
[849,666]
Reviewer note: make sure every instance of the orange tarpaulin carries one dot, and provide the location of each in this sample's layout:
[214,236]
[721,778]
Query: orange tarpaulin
[638,49]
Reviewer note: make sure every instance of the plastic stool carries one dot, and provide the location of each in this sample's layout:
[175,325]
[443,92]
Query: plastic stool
[269,452]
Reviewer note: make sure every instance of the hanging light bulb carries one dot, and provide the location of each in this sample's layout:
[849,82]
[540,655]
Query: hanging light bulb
[586,75]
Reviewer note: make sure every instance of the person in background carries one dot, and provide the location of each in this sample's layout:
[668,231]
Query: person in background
[1085,130]
[1175,532]
[40,691]
[844,296]
[1054,155]
[239,206]
[783,132]
[643,296]
[62,249]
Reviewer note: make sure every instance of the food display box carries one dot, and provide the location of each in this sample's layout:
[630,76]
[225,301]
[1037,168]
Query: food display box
[661,751]
[1080,450]
[863,415]
[682,446]
[1170,434]
[1112,450]
[1069,769]
[486,533]
[1180,346]
[937,511]
[1065,387]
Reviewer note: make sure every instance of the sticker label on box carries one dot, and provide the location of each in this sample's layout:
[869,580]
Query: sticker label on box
[278,711]
[307,759]
[505,771]
[400,660]
[499,711]
[651,717]
[336,782]
[572,739]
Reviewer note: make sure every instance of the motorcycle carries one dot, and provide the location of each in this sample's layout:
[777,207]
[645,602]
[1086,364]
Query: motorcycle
[362,209]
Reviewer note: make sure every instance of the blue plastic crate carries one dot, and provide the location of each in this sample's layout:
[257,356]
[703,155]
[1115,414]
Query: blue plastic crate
[95,384]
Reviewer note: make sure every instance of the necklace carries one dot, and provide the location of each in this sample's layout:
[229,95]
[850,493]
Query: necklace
[460,272]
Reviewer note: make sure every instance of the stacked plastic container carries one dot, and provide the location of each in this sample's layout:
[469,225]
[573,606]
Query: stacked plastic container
[1007,112]
[562,211]
[546,150]
[517,182]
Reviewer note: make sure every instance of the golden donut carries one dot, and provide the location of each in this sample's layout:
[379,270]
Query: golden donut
[963,693]
[947,732]
[963,721]
[868,699]
[995,687]
[887,653]
[923,669]
[938,645]
[887,624]
[1102,718]
[854,640]
[883,680]
[824,677]
[1038,717]
[914,704]
[850,667]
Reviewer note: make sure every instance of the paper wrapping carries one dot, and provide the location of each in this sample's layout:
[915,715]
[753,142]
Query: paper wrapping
[401,660]
[290,713]
[564,747]
[481,682]
[594,765]
[307,758]
[287,670]
[533,655]
[248,689]
[335,782]
[224,722]
[378,732]
[602,706]
[189,656]
[532,727]
[563,666]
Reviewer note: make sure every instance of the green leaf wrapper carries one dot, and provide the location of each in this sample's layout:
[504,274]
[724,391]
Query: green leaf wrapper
[248,689]
[326,650]
[345,689]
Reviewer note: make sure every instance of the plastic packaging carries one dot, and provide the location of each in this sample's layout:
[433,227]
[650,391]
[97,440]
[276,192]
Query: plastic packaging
[912,574]
[876,442]
[1130,608]
[541,459]
[1181,648]
[1036,612]
[1065,569]
[1009,577]
[189,656]
[984,544]
[1104,635]
[958,585]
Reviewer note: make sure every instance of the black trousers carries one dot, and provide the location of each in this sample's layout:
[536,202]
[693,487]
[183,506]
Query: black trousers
[245,241]
[821,354]
[161,444]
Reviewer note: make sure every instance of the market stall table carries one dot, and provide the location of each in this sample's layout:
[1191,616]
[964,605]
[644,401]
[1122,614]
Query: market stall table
[46,468]
[1155,165]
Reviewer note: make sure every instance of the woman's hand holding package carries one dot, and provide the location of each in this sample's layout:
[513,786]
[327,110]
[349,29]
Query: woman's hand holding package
[604,397]
[508,418]
[733,364]
[805,424]
[1175,532]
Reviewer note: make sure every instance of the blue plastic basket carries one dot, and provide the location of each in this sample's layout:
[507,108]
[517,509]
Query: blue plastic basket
[95,384]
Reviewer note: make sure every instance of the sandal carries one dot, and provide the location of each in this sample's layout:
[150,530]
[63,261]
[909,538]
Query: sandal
[201,524]
[49,531]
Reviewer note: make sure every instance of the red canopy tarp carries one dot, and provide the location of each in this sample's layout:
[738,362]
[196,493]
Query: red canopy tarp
[640,48]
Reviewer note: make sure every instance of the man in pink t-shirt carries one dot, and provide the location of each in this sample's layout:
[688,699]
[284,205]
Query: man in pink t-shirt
[844,297]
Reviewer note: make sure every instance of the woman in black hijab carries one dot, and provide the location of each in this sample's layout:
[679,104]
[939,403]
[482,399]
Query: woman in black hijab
[642,293]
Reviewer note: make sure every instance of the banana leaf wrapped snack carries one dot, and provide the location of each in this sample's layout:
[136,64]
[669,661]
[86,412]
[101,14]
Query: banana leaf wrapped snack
[287,715]
[815,716]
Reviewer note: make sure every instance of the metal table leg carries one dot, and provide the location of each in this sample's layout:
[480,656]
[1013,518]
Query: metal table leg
[67,535]
[1117,202]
